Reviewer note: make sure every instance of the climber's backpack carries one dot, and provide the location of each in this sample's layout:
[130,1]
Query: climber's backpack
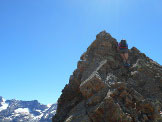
[123,44]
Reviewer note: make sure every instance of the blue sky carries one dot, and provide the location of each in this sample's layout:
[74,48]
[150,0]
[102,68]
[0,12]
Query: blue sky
[42,40]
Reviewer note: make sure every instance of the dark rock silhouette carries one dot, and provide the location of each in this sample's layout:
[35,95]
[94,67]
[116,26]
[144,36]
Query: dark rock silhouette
[101,89]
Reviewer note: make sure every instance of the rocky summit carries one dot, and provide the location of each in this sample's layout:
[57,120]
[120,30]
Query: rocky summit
[101,89]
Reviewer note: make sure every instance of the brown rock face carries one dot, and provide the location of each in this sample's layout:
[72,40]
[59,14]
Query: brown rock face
[102,90]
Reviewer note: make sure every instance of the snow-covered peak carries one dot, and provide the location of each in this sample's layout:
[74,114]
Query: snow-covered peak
[26,111]
[49,105]
[3,104]
[2,99]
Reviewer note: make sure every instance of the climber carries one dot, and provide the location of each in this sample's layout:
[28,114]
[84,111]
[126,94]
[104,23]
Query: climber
[123,49]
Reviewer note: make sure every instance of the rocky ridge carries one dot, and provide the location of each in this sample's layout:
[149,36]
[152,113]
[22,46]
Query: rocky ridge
[102,90]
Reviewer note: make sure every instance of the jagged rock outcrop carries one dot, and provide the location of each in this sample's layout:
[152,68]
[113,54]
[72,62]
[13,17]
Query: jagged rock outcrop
[102,90]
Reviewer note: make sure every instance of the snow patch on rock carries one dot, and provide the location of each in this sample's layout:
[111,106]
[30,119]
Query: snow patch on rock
[3,104]
[22,110]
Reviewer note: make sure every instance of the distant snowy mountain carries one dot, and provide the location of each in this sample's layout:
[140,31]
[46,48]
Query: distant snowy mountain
[25,111]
